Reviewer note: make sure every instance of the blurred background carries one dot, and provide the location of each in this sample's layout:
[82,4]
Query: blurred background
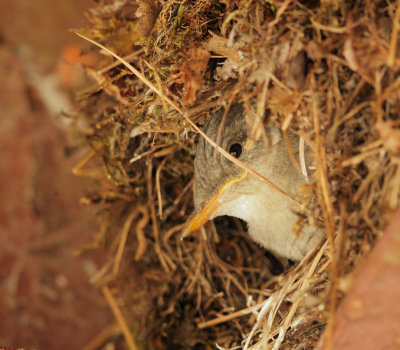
[46,301]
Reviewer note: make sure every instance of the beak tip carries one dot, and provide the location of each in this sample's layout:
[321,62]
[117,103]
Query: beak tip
[199,219]
[185,232]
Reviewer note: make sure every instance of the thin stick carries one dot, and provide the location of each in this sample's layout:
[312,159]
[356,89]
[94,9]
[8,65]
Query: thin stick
[279,13]
[102,337]
[117,63]
[119,317]
[384,95]
[302,159]
[195,127]
[328,211]
[185,189]
[230,317]
[393,39]
[77,170]
[222,124]
[141,238]
[360,157]
[305,284]
[122,241]
[158,187]
[260,318]
[349,115]
[154,220]
[337,30]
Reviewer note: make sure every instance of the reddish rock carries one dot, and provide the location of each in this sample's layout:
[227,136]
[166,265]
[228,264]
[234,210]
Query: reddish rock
[46,301]
[369,316]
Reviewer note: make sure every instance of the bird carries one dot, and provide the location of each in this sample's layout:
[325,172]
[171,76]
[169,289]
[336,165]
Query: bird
[223,188]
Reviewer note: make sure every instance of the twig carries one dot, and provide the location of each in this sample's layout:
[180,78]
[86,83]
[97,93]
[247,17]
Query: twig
[360,157]
[154,220]
[393,39]
[122,241]
[78,169]
[100,338]
[222,124]
[266,307]
[349,115]
[337,30]
[195,127]
[305,284]
[302,159]
[328,211]
[117,63]
[279,13]
[158,187]
[185,189]
[141,238]
[119,317]
[231,316]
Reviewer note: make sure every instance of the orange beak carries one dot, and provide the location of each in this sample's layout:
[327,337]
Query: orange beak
[199,219]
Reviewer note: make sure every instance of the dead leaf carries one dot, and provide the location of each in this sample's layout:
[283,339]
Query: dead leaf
[219,45]
[390,135]
[192,72]
[296,75]
[364,57]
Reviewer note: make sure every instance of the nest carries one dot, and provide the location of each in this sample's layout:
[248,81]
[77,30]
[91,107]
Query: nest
[326,71]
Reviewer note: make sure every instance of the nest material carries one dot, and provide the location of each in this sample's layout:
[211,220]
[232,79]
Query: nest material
[324,70]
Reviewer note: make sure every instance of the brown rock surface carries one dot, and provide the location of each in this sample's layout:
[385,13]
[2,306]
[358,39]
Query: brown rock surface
[46,301]
[369,316]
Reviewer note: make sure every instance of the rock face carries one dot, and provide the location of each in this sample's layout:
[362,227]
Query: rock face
[369,316]
[46,300]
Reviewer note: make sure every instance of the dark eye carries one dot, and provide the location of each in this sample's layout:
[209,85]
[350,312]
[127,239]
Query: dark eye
[236,150]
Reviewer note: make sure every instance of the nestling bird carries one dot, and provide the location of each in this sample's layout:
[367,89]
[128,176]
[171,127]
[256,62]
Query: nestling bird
[222,188]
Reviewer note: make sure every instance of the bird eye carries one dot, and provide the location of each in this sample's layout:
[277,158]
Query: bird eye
[236,150]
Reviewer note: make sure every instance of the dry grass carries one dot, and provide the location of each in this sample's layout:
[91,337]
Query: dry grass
[140,120]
